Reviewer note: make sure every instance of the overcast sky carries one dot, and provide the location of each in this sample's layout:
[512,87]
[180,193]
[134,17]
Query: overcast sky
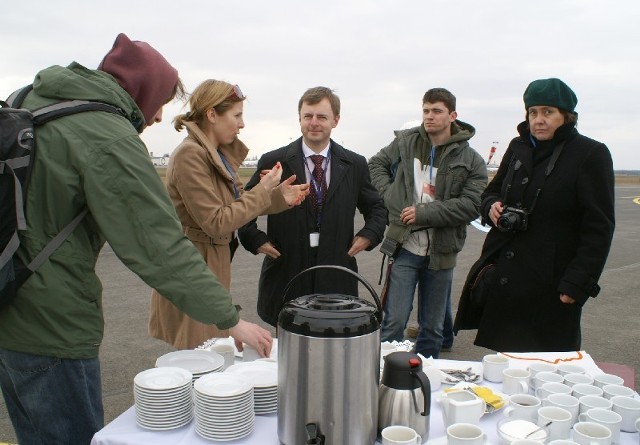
[380,57]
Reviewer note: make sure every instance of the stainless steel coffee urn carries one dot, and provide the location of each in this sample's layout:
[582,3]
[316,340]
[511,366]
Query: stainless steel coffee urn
[328,367]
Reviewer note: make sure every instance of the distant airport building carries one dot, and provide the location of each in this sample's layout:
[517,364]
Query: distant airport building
[159,161]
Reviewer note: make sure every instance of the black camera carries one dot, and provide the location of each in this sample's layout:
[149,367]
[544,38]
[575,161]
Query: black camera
[513,219]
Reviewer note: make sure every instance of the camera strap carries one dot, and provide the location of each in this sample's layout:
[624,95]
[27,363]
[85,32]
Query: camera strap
[547,172]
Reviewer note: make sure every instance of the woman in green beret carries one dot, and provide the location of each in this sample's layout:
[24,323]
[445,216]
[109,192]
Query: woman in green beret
[551,211]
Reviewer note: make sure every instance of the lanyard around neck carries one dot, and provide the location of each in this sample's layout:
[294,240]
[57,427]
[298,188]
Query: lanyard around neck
[317,187]
[431,162]
[233,180]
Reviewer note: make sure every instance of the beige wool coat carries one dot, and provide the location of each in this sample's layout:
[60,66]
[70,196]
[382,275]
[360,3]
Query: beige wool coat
[202,191]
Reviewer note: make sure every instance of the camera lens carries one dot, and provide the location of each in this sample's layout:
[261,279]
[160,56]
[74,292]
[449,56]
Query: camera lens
[508,221]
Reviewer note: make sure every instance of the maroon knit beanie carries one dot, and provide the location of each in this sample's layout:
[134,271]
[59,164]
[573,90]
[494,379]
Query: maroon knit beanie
[142,72]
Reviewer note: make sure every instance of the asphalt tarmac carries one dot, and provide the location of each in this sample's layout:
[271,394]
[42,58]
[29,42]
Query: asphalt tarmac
[611,322]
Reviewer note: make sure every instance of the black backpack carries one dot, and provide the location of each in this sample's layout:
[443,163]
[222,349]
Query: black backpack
[17,152]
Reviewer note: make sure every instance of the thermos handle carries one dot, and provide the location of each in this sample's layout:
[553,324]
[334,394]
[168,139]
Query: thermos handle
[425,385]
[344,269]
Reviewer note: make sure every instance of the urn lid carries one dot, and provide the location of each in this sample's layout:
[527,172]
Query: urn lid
[329,316]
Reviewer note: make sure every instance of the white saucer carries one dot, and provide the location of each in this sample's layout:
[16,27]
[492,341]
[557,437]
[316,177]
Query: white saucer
[197,361]
[162,379]
[261,374]
[222,385]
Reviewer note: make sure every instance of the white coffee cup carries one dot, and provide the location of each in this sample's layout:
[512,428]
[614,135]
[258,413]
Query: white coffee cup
[564,401]
[523,406]
[552,388]
[568,368]
[575,378]
[610,419]
[545,377]
[563,442]
[629,409]
[492,367]
[591,433]
[607,379]
[638,424]
[465,434]
[400,435]
[249,354]
[535,368]
[515,381]
[588,402]
[227,352]
[557,420]
[610,391]
[582,389]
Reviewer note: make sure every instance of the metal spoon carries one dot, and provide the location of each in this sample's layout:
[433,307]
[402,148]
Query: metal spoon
[537,429]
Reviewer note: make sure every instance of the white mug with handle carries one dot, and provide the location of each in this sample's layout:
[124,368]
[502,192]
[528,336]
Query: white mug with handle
[515,381]
[465,434]
[607,418]
[591,433]
[400,435]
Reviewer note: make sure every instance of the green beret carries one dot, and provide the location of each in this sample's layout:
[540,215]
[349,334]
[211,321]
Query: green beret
[550,92]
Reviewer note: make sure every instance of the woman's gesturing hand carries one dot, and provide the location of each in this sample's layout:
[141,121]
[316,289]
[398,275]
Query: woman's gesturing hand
[293,194]
[271,178]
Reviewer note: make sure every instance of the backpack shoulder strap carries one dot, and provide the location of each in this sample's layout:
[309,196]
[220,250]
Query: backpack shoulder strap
[17,97]
[69,107]
[59,109]
[56,241]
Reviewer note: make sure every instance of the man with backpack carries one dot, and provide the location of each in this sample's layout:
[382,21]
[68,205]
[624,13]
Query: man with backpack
[50,333]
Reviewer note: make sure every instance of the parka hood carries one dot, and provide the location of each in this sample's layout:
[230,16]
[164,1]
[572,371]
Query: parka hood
[77,82]
[460,131]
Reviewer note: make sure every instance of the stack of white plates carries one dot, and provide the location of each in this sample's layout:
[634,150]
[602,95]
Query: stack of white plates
[197,361]
[163,398]
[263,373]
[223,406]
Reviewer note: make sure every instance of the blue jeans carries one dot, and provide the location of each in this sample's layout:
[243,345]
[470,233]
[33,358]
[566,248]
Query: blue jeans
[434,297]
[51,400]
[447,328]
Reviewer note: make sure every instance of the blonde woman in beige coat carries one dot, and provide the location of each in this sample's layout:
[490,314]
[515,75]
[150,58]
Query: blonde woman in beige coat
[210,200]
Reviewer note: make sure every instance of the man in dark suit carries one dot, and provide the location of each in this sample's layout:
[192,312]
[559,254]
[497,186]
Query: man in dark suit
[321,230]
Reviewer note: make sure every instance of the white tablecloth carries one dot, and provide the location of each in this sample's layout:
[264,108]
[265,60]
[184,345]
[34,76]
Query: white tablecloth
[124,431]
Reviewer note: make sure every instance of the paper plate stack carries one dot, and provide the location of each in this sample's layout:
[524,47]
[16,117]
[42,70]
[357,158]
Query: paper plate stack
[197,361]
[163,398]
[223,406]
[263,374]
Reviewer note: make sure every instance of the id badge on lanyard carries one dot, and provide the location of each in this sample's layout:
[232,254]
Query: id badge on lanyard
[428,186]
[314,237]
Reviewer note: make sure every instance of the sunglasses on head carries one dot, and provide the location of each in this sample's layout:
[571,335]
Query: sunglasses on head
[236,93]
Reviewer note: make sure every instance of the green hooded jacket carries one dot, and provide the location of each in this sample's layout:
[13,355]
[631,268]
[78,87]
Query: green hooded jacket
[97,160]
[461,178]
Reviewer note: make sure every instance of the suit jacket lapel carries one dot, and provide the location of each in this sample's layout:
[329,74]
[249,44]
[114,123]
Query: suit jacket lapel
[339,166]
[295,161]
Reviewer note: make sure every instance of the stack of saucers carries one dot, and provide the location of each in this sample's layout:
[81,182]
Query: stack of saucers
[197,361]
[163,398]
[263,374]
[223,406]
